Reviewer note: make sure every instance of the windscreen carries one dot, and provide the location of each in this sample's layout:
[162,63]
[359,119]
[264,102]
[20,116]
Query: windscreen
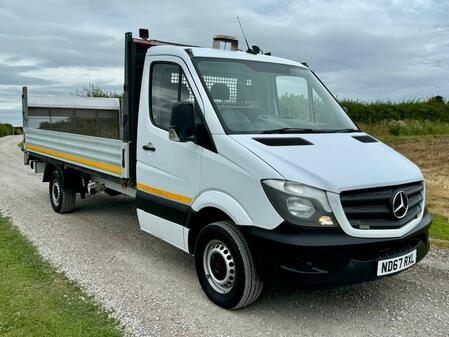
[262,97]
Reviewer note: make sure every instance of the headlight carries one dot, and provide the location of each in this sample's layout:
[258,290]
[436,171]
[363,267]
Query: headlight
[299,204]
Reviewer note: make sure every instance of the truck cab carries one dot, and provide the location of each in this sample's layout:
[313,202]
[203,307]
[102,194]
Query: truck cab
[249,163]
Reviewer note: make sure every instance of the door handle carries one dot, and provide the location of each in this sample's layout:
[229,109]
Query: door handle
[149,147]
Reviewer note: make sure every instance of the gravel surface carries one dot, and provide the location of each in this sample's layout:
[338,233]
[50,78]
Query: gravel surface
[152,287]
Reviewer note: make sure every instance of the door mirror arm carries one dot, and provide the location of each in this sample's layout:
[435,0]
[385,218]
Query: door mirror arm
[173,135]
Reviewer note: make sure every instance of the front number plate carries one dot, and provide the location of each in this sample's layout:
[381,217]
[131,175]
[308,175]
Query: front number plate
[385,267]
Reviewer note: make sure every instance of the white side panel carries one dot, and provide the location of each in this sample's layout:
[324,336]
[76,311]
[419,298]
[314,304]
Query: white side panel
[74,102]
[186,239]
[235,174]
[225,203]
[99,154]
[163,229]
[173,167]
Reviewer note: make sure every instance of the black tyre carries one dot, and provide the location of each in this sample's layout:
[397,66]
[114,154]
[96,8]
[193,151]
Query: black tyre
[225,267]
[62,199]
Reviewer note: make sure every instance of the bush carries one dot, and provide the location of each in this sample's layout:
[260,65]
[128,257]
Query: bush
[431,109]
[92,90]
[6,130]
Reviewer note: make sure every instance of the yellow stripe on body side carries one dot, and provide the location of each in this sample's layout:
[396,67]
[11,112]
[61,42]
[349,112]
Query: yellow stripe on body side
[78,160]
[165,194]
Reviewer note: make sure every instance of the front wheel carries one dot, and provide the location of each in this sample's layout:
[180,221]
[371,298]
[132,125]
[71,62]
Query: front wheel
[225,267]
[62,199]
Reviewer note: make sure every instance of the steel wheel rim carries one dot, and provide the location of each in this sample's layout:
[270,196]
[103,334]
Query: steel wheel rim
[219,266]
[56,193]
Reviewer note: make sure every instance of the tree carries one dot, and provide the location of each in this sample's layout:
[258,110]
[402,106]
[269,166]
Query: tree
[92,90]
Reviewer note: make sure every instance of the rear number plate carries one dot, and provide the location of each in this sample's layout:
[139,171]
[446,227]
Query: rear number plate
[389,266]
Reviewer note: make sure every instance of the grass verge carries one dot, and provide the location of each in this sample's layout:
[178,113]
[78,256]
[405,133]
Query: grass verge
[439,231]
[37,301]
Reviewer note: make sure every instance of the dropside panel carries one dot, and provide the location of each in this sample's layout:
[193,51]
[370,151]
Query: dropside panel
[103,155]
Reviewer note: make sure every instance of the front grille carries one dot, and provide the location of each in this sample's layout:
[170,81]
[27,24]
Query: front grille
[372,208]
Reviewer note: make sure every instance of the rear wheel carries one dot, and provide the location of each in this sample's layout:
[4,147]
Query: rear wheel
[225,267]
[62,199]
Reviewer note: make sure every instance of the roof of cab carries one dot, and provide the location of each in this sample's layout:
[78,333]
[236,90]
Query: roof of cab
[218,53]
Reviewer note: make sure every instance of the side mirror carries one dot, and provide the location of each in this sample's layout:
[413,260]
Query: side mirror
[182,123]
[345,109]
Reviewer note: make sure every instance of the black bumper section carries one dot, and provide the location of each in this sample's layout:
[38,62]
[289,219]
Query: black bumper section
[326,258]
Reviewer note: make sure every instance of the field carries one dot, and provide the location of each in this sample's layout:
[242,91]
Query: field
[431,154]
[419,129]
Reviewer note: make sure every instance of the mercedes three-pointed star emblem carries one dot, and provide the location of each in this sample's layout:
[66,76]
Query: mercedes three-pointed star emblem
[399,204]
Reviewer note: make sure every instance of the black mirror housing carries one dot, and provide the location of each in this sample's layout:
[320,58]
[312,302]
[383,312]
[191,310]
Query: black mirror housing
[182,122]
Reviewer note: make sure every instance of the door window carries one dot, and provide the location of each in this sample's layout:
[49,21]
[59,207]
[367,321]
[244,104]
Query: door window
[168,86]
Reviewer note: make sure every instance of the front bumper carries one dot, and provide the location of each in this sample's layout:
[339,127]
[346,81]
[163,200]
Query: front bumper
[290,256]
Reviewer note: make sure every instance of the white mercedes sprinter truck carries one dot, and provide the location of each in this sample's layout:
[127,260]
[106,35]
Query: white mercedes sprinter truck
[244,160]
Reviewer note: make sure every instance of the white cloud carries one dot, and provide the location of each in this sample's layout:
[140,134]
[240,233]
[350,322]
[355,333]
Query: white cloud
[79,76]
[14,61]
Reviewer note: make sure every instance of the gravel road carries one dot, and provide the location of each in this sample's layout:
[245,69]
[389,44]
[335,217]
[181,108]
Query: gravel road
[152,287]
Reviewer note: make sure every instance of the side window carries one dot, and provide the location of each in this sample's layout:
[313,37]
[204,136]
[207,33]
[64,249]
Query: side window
[168,86]
[293,97]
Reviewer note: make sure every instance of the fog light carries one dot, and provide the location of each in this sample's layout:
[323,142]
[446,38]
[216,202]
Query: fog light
[325,220]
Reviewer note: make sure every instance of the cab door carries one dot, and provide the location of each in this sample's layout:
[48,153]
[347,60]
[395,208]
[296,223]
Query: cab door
[167,172]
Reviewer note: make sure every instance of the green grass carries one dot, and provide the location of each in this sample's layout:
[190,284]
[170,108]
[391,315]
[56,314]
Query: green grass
[37,301]
[440,228]
[405,128]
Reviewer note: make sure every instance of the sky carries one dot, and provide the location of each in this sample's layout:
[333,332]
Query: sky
[364,50]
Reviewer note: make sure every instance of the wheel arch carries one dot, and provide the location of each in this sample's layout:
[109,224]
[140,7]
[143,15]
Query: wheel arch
[213,206]
[69,177]
[49,168]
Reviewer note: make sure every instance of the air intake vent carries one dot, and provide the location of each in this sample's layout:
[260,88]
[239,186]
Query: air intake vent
[365,139]
[290,141]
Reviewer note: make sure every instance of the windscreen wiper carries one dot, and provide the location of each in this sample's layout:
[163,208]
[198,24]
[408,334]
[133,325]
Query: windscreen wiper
[308,130]
[292,130]
[346,130]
